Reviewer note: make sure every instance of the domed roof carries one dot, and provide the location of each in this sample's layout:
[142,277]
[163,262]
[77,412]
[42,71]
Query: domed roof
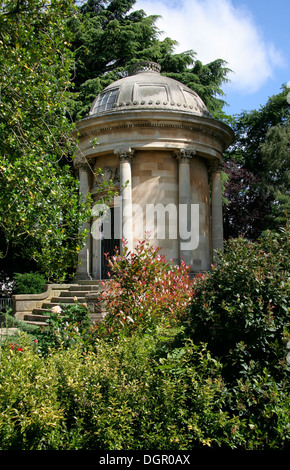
[147,89]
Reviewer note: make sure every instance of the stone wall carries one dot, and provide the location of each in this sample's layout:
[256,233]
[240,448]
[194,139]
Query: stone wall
[155,182]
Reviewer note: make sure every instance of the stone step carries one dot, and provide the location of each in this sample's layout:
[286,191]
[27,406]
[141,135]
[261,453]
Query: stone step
[91,283]
[43,311]
[67,300]
[41,315]
[72,294]
[96,317]
[35,317]
[68,297]
[47,306]
[36,323]
[85,288]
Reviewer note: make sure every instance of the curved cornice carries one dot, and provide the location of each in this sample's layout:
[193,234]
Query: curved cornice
[119,122]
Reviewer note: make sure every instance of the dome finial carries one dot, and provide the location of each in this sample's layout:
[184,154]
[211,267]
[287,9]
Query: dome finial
[146,66]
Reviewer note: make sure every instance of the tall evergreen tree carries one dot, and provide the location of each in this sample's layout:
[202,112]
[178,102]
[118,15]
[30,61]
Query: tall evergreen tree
[110,36]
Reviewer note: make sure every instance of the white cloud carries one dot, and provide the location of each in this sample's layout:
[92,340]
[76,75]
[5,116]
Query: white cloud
[218,29]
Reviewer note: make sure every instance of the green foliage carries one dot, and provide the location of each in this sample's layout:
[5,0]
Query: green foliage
[261,149]
[8,321]
[263,406]
[40,211]
[242,308]
[67,326]
[30,410]
[251,127]
[121,397]
[277,145]
[29,283]
[275,151]
[217,377]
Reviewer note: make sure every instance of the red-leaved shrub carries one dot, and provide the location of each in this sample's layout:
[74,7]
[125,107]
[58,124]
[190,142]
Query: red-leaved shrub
[145,289]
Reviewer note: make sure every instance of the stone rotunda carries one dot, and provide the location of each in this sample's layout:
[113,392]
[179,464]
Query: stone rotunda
[155,139]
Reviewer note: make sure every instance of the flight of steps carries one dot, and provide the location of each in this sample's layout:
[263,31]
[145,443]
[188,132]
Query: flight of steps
[80,291]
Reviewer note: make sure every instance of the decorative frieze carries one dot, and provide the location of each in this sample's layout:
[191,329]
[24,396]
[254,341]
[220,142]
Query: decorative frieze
[146,66]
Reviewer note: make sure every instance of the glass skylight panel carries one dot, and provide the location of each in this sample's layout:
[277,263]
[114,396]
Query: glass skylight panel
[106,101]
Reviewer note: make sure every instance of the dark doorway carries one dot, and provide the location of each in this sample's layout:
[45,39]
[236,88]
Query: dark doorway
[109,245]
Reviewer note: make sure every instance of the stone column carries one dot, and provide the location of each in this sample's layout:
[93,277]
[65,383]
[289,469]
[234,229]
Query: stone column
[216,208]
[184,156]
[125,157]
[84,256]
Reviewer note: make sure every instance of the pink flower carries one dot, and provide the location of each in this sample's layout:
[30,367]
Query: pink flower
[56,309]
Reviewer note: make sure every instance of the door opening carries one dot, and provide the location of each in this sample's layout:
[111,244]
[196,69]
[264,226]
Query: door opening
[109,245]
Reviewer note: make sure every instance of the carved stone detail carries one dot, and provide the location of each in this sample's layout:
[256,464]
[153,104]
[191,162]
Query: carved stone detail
[216,166]
[184,155]
[125,153]
[82,165]
[108,174]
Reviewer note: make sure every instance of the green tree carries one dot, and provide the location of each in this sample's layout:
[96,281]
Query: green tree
[275,152]
[109,37]
[261,150]
[251,128]
[39,199]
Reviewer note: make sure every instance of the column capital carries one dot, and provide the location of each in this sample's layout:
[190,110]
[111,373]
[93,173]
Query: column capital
[81,164]
[124,153]
[184,155]
[216,166]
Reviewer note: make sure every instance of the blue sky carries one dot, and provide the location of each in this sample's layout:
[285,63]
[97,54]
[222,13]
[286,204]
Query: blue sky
[252,36]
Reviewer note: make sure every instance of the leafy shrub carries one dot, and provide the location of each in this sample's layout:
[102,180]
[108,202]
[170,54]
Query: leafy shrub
[67,326]
[7,320]
[29,283]
[145,290]
[241,309]
[215,376]
[123,396]
[30,411]
[263,406]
